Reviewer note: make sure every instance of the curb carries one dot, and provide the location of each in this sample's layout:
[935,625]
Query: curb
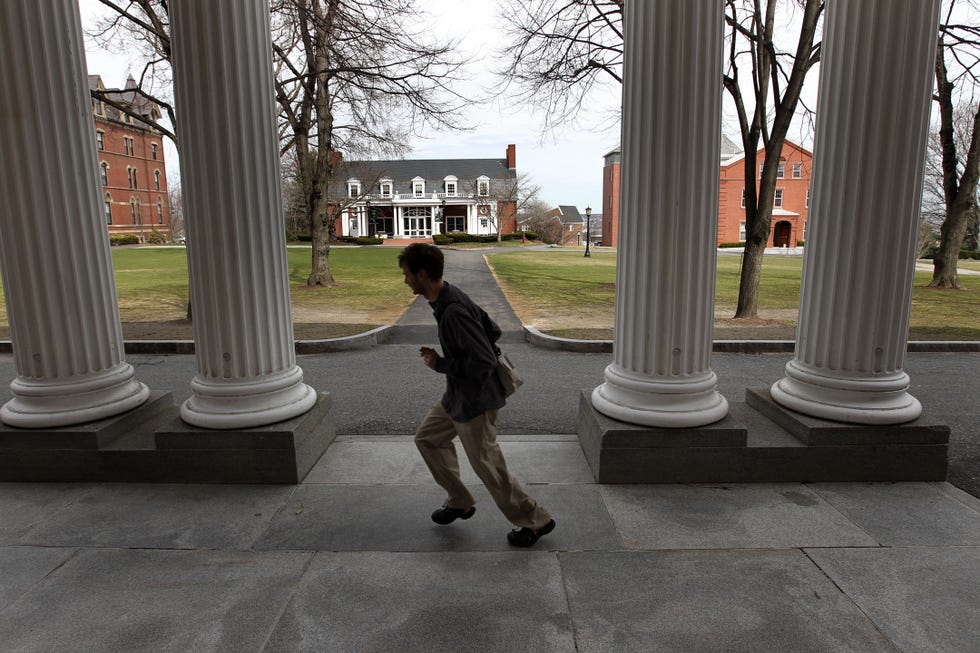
[534,337]
[538,339]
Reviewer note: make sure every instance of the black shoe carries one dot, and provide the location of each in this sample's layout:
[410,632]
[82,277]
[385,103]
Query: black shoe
[447,515]
[525,537]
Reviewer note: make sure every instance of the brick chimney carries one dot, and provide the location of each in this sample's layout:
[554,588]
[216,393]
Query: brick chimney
[511,157]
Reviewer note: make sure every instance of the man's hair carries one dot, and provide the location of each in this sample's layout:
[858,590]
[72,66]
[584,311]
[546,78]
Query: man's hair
[422,256]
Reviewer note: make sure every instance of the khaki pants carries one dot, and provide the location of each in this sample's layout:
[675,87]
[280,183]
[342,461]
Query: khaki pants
[434,439]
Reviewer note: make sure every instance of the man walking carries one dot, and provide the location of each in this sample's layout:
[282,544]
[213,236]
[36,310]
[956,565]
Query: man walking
[470,404]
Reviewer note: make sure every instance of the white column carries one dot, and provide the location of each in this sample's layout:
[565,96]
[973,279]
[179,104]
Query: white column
[872,128]
[665,277]
[223,87]
[54,247]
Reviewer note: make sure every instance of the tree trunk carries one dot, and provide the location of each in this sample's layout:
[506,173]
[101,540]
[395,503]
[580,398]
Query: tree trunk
[748,283]
[944,274]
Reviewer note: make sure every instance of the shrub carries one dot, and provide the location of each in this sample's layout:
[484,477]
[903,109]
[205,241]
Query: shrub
[738,244]
[123,239]
[442,239]
[156,238]
[966,253]
[799,243]
[368,240]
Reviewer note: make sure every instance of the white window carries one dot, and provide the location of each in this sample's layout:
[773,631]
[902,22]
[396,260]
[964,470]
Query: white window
[482,186]
[741,231]
[418,187]
[386,188]
[353,188]
[778,199]
[484,223]
[780,170]
[797,170]
[450,183]
[743,198]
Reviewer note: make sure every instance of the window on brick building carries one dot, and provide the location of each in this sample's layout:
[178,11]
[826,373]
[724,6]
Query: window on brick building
[743,198]
[104,173]
[107,208]
[156,179]
[797,170]
[153,150]
[132,209]
[780,170]
[777,201]
[159,212]
[100,140]
[741,231]
[807,198]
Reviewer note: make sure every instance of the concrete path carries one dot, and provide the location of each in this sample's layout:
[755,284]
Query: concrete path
[348,560]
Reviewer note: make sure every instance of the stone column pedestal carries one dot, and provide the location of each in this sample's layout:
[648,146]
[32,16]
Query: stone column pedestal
[871,134]
[223,86]
[54,247]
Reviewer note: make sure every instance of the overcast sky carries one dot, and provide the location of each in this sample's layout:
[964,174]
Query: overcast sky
[567,165]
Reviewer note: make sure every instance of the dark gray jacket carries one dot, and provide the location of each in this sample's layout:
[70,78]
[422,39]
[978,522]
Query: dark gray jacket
[469,356]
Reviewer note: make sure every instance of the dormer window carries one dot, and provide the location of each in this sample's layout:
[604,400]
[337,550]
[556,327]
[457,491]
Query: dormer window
[483,186]
[385,188]
[353,188]
[418,187]
[451,185]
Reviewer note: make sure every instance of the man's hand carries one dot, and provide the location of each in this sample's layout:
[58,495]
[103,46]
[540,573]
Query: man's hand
[430,356]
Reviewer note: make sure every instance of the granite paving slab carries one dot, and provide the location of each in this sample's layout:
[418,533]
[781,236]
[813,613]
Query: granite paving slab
[161,516]
[396,518]
[925,599]
[24,505]
[22,567]
[710,601]
[727,516]
[906,514]
[367,460]
[120,601]
[433,602]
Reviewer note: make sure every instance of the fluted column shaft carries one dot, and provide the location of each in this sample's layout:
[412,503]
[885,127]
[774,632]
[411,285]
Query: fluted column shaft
[223,87]
[54,247]
[872,129]
[665,277]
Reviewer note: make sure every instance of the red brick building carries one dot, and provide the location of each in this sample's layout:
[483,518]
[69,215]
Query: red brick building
[132,170]
[791,204]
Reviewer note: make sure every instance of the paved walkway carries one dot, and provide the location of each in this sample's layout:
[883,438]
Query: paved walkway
[349,561]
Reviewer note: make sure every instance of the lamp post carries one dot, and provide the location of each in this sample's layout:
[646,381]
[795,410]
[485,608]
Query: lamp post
[588,230]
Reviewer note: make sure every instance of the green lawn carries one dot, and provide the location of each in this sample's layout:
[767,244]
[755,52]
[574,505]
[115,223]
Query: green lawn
[151,285]
[563,292]
[559,291]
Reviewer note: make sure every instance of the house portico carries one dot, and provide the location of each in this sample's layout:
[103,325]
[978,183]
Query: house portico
[659,389]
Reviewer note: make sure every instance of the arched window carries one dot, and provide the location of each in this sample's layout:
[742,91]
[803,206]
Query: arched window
[159,211]
[156,179]
[107,208]
[105,173]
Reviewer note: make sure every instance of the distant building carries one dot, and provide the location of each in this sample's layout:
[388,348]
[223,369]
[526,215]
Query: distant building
[791,204]
[417,198]
[562,225]
[132,170]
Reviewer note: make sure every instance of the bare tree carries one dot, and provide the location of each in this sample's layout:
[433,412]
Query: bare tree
[559,51]
[539,219]
[175,200]
[355,76]
[776,81]
[498,200]
[140,27]
[957,59]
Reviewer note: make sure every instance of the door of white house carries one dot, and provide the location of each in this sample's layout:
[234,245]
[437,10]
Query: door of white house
[417,222]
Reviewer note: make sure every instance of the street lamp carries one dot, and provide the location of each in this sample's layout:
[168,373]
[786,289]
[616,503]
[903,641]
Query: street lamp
[588,230]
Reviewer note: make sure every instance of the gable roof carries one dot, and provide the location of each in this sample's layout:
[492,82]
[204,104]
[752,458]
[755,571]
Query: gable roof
[739,156]
[129,97]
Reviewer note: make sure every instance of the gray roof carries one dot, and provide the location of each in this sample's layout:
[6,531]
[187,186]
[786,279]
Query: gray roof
[570,215]
[433,171]
[128,97]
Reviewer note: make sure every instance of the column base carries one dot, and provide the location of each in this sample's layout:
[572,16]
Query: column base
[680,403]
[41,403]
[855,400]
[751,445]
[216,404]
